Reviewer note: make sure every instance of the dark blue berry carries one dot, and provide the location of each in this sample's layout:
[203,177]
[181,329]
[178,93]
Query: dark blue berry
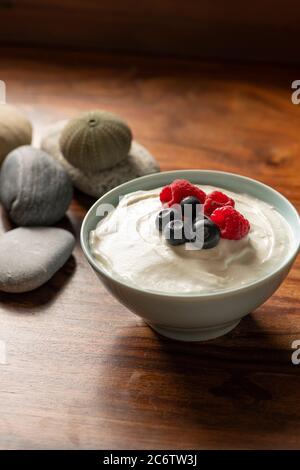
[165,216]
[211,233]
[174,232]
[190,207]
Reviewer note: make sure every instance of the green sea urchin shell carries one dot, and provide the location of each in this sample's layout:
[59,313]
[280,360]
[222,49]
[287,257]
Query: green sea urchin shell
[15,130]
[95,141]
[139,162]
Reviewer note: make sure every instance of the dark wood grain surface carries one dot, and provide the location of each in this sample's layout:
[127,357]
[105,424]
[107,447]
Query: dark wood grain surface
[81,370]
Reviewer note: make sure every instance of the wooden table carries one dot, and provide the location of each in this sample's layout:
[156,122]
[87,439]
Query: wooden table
[82,371]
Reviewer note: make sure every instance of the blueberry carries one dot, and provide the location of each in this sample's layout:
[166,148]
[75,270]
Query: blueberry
[211,233]
[174,232]
[191,207]
[165,216]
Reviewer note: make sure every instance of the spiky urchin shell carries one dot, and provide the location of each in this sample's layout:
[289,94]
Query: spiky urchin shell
[140,162]
[15,130]
[95,141]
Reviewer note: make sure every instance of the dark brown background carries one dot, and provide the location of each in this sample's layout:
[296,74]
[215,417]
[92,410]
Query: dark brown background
[265,30]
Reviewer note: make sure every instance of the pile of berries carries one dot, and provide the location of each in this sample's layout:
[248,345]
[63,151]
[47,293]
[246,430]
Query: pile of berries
[182,220]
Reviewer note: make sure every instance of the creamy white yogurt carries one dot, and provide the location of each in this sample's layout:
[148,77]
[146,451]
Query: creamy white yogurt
[127,244]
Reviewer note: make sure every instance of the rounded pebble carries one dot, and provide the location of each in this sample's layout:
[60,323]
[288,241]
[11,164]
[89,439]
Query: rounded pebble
[15,130]
[30,256]
[34,188]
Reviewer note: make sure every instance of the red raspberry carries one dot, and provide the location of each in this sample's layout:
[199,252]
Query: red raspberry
[231,223]
[166,194]
[215,200]
[179,189]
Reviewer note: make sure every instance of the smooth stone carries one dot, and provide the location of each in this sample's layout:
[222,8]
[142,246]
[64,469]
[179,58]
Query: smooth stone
[34,189]
[15,130]
[139,162]
[30,256]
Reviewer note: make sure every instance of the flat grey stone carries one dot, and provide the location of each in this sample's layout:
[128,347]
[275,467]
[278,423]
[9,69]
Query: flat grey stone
[139,162]
[34,189]
[30,256]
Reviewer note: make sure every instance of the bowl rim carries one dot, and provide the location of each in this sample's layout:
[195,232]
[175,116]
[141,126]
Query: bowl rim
[182,295]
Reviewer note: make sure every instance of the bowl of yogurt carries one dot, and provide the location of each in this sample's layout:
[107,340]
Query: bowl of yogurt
[181,292]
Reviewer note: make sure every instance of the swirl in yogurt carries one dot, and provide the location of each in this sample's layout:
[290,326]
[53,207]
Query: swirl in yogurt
[127,245]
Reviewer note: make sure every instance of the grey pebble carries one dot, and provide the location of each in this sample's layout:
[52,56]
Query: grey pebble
[34,189]
[30,256]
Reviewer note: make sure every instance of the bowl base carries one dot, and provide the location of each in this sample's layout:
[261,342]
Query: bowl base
[195,334]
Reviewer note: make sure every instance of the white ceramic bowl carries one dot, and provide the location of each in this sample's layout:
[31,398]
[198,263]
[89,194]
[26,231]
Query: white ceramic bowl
[196,316]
